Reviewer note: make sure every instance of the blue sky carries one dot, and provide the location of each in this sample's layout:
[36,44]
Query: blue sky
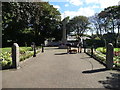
[81,7]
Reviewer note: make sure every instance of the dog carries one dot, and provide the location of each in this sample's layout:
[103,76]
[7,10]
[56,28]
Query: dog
[73,51]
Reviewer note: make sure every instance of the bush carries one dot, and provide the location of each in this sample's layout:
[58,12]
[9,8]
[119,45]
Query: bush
[96,43]
[6,59]
[4,63]
[101,49]
[22,51]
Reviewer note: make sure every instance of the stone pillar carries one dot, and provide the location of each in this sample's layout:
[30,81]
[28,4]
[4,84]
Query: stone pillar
[109,56]
[64,39]
[15,56]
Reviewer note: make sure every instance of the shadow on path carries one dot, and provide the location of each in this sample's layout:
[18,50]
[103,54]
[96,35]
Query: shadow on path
[60,53]
[86,58]
[51,48]
[95,71]
[63,53]
[112,82]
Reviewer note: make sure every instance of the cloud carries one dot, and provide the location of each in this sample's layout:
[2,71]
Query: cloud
[92,1]
[66,5]
[95,6]
[87,11]
[103,3]
[76,2]
[56,6]
[106,3]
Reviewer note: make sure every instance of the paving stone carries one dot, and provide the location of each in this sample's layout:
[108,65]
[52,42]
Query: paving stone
[56,69]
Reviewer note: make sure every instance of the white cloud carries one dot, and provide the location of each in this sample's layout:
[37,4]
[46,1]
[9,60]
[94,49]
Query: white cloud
[92,1]
[56,6]
[106,3]
[103,3]
[95,6]
[66,5]
[87,11]
[76,2]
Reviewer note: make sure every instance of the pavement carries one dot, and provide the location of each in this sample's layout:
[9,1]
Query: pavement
[56,69]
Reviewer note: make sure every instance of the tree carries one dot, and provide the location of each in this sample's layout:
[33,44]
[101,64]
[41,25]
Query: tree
[29,22]
[106,22]
[78,24]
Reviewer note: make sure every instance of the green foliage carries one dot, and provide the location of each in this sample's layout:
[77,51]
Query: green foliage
[78,24]
[26,55]
[25,22]
[95,42]
[6,59]
[4,63]
[7,49]
[106,23]
[101,49]
[116,49]
[101,55]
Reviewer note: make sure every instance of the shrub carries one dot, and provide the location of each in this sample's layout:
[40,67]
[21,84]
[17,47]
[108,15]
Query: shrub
[101,49]
[4,63]
[22,51]
[95,42]
[6,59]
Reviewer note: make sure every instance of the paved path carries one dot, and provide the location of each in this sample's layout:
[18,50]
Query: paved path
[55,69]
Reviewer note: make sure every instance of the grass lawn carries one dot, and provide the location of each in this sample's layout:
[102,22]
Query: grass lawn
[8,49]
[116,49]
[103,49]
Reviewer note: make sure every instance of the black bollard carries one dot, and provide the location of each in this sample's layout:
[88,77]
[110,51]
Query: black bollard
[42,48]
[92,51]
[84,45]
[34,49]
[84,49]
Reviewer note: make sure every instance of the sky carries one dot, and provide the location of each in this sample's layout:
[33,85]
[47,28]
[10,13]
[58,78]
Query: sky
[81,7]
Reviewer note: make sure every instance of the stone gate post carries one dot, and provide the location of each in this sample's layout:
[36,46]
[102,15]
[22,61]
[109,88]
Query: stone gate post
[109,56]
[15,56]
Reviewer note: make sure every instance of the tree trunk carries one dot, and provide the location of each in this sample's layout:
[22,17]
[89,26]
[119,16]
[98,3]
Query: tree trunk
[113,27]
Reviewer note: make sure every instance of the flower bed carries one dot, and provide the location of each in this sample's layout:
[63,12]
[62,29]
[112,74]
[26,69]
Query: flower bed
[100,54]
[116,53]
[6,59]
